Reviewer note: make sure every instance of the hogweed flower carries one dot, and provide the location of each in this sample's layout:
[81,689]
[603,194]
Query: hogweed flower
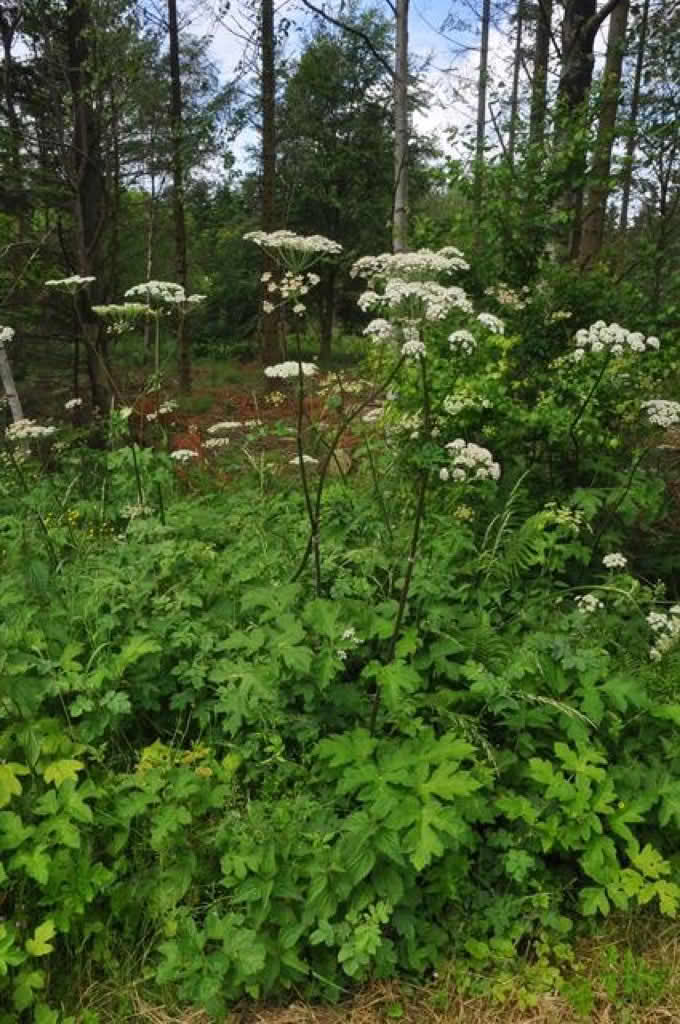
[6,334]
[307,459]
[70,284]
[662,413]
[291,369]
[492,323]
[27,430]
[309,245]
[379,330]
[470,462]
[611,338]
[615,561]
[666,628]
[217,442]
[218,429]
[184,455]
[588,603]
[462,341]
[73,403]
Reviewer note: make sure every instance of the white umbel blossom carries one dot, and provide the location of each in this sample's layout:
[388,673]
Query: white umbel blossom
[462,341]
[413,348]
[666,628]
[27,430]
[184,455]
[167,292]
[418,264]
[611,338]
[471,462]
[662,413]
[73,403]
[290,369]
[70,284]
[588,603]
[217,442]
[6,334]
[615,561]
[492,323]
[219,428]
[305,458]
[379,330]
[311,244]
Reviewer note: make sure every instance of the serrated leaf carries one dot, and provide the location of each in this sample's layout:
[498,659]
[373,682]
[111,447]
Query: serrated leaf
[669,896]
[26,984]
[40,944]
[136,647]
[593,901]
[63,771]
[9,783]
[650,862]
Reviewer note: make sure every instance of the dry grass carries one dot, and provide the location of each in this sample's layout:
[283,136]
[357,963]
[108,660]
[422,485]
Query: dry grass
[632,972]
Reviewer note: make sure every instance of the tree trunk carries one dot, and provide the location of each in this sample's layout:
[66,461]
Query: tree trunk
[594,220]
[478,184]
[579,27]
[632,129]
[514,96]
[539,85]
[401,130]
[183,337]
[270,321]
[9,21]
[7,378]
[86,175]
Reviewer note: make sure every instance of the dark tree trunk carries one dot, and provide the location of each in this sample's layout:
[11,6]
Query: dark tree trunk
[401,129]
[270,321]
[176,123]
[514,96]
[86,174]
[634,111]
[478,185]
[539,83]
[593,224]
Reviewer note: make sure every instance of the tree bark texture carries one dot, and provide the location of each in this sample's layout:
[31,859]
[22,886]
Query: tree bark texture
[176,123]
[401,130]
[539,85]
[478,184]
[596,210]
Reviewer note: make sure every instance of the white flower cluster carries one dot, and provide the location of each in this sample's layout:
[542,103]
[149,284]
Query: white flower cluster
[73,403]
[217,429]
[167,407]
[459,400]
[667,630]
[290,287]
[612,338]
[164,293]
[560,314]
[662,413]
[290,369]
[462,341]
[217,442]
[469,462]
[413,348]
[404,265]
[492,323]
[374,414]
[425,299]
[70,284]
[184,455]
[27,430]
[311,244]
[379,330]
[6,334]
[588,603]
[349,639]
[305,458]
[504,294]
[615,561]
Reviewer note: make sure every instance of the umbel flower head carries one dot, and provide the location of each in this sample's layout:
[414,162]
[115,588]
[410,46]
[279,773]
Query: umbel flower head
[469,462]
[662,413]
[291,369]
[611,338]
[6,334]
[27,430]
[70,284]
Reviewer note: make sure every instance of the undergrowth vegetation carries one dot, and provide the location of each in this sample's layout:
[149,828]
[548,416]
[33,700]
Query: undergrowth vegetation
[281,732]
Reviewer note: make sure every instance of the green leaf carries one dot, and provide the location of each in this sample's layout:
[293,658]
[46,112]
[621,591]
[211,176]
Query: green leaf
[62,771]
[40,944]
[594,900]
[398,681]
[137,647]
[25,986]
[9,783]
[650,862]
[35,863]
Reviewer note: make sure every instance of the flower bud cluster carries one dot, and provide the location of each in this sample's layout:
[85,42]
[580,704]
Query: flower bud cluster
[506,296]
[460,400]
[469,462]
[662,413]
[428,300]
[290,287]
[612,338]
[666,629]
[564,515]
